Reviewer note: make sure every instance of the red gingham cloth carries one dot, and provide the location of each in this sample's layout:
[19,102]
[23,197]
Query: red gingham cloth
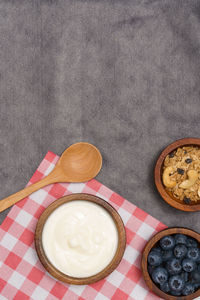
[23,277]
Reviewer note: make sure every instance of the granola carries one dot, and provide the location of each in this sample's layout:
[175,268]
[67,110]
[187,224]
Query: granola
[181,174]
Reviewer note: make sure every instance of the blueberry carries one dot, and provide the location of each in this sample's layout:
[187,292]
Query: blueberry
[193,254]
[176,283]
[173,266]
[180,171]
[175,293]
[151,269]
[167,242]
[195,275]
[166,255]
[159,275]
[171,154]
[180,251]
[188,160]
[154,258]
[157,249]
[188,289]
[185,276]
[165,287]
[187,200]
[180,239]
[196,286]
[192,243]
[198,268]
[188,265]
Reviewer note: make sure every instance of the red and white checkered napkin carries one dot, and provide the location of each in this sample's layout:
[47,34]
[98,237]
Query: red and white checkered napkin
[23,277]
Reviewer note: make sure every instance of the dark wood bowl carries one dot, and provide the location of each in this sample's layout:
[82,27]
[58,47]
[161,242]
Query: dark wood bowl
[168,197]
[151,243]
[111,266]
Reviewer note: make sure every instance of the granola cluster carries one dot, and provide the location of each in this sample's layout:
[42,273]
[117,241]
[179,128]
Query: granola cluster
[181,174]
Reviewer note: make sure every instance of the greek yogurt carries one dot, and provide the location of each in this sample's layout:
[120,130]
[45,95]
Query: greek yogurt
[80,238]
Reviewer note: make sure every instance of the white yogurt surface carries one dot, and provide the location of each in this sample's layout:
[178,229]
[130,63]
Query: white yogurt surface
[80,238]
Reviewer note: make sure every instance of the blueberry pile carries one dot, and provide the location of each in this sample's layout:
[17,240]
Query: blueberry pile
[174,265]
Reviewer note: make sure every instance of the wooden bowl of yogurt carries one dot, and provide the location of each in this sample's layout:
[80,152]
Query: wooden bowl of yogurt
[80,239]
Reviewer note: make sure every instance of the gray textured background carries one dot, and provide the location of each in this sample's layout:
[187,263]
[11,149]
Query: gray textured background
[123,75]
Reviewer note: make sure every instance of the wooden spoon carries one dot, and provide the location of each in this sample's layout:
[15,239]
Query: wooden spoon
[78,163]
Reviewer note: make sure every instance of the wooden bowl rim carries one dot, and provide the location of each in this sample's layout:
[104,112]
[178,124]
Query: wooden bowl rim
[109,268]
[150,244]
[158,174]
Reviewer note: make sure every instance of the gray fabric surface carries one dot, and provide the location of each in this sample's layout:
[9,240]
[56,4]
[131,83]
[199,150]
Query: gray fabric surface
[123,75]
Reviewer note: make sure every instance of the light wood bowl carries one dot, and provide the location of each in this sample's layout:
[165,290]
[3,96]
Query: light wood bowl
[152,243]
[110,267]
[168,197]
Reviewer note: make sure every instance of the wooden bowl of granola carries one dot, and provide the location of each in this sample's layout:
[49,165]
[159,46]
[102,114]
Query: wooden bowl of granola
[177,174]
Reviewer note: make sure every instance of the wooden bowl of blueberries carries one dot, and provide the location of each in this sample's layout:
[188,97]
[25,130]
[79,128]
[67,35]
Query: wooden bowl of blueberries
[171,264]
[177,174]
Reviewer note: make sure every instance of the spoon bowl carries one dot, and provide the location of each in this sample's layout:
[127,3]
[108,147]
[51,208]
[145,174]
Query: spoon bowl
[78,163]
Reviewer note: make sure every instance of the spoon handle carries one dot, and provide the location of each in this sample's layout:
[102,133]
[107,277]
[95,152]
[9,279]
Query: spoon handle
[14,198]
